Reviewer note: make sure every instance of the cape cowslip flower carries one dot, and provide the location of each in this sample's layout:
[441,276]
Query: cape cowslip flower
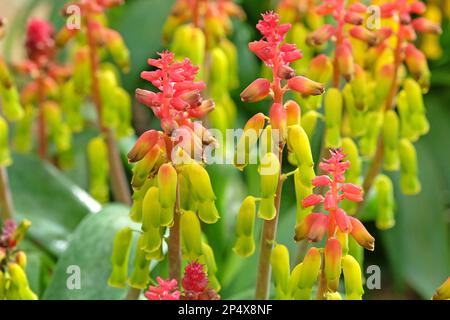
[166,290]
[6,237]
[315,225]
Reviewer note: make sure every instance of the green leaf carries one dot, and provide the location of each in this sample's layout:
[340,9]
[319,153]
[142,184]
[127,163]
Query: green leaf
[51,201]
[90,249]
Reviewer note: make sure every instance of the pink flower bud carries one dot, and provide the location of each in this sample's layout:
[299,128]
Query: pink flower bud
[426,26]
[305,86]
[286,72]
[383,34]
[143,145]
[351,188]
[321,181]
[363,34]
[330,202]
[345,60]
[408,32]
[312,200]
[321,35]
[343,221]
[278,119]
[357,7]
[313,227]
[202,110]
[352,17]
[361,235]
[256,91]
[353,197]
[415,60]
[146,97]
[262,49]
[417,7]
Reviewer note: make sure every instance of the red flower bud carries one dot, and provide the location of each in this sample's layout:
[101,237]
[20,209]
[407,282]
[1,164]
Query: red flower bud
[330,202]
[345,60]
[321,35]
[351,188]
[361,235]
[202,110]
[278,119]
[313,227]
[343,221]
[143,145]
[305,86]
[415,60]
[321,181]
[353,18]
[256,91]
[312,200]
[417,7]
[262,49]
[332,256]
[363,34]
[426,26]
[286,72]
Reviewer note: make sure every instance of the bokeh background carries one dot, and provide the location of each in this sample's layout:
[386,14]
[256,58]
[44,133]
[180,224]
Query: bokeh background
[70,228]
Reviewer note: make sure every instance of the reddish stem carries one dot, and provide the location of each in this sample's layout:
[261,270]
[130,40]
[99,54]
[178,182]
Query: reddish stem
[270,226]
[42,131]
[118,177]
[6,204]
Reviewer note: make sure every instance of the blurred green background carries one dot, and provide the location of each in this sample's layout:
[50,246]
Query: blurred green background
[71,228]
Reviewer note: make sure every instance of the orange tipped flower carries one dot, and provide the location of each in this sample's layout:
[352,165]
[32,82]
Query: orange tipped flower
[143,145]
[256,91]
[305,86]
[345,60]
[293,112]
[363,34]
[313,227]
[361,235]
[321,35]
[332,257]
[278,119]
[426,26]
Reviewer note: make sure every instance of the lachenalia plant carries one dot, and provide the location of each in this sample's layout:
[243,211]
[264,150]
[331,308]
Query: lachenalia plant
[45,107]
[98,81]
[284,129]
[378,112]
[172,189]
[198,30]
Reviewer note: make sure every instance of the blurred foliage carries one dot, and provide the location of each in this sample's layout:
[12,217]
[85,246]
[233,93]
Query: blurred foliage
[415,254]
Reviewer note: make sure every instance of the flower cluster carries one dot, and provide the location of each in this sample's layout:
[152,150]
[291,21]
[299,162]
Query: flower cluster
[206,24]
[95,79]
[172,190]
[13,279]
[47,79]
[180,98]
[316,225]
[194,283]
[285,128]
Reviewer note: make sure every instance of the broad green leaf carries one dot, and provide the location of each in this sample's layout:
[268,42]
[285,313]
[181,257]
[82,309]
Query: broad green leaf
[90,249]
[51,201]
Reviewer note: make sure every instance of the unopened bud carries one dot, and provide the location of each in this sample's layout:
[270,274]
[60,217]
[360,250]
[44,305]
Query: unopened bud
[298,142]
[321,35]
[207,212]
[391,128]
[361,235]
[279,261]
[426,26]
[333,116]
[345,60]
[140,275]
[332,260]
[305,86]
[293,112]
[385,202]
[278,119]
[151,210]
[310,268]
[119,258]
[256,91]
[191,234]
[409,181]
[167,183]
[352,278]
[364,35]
